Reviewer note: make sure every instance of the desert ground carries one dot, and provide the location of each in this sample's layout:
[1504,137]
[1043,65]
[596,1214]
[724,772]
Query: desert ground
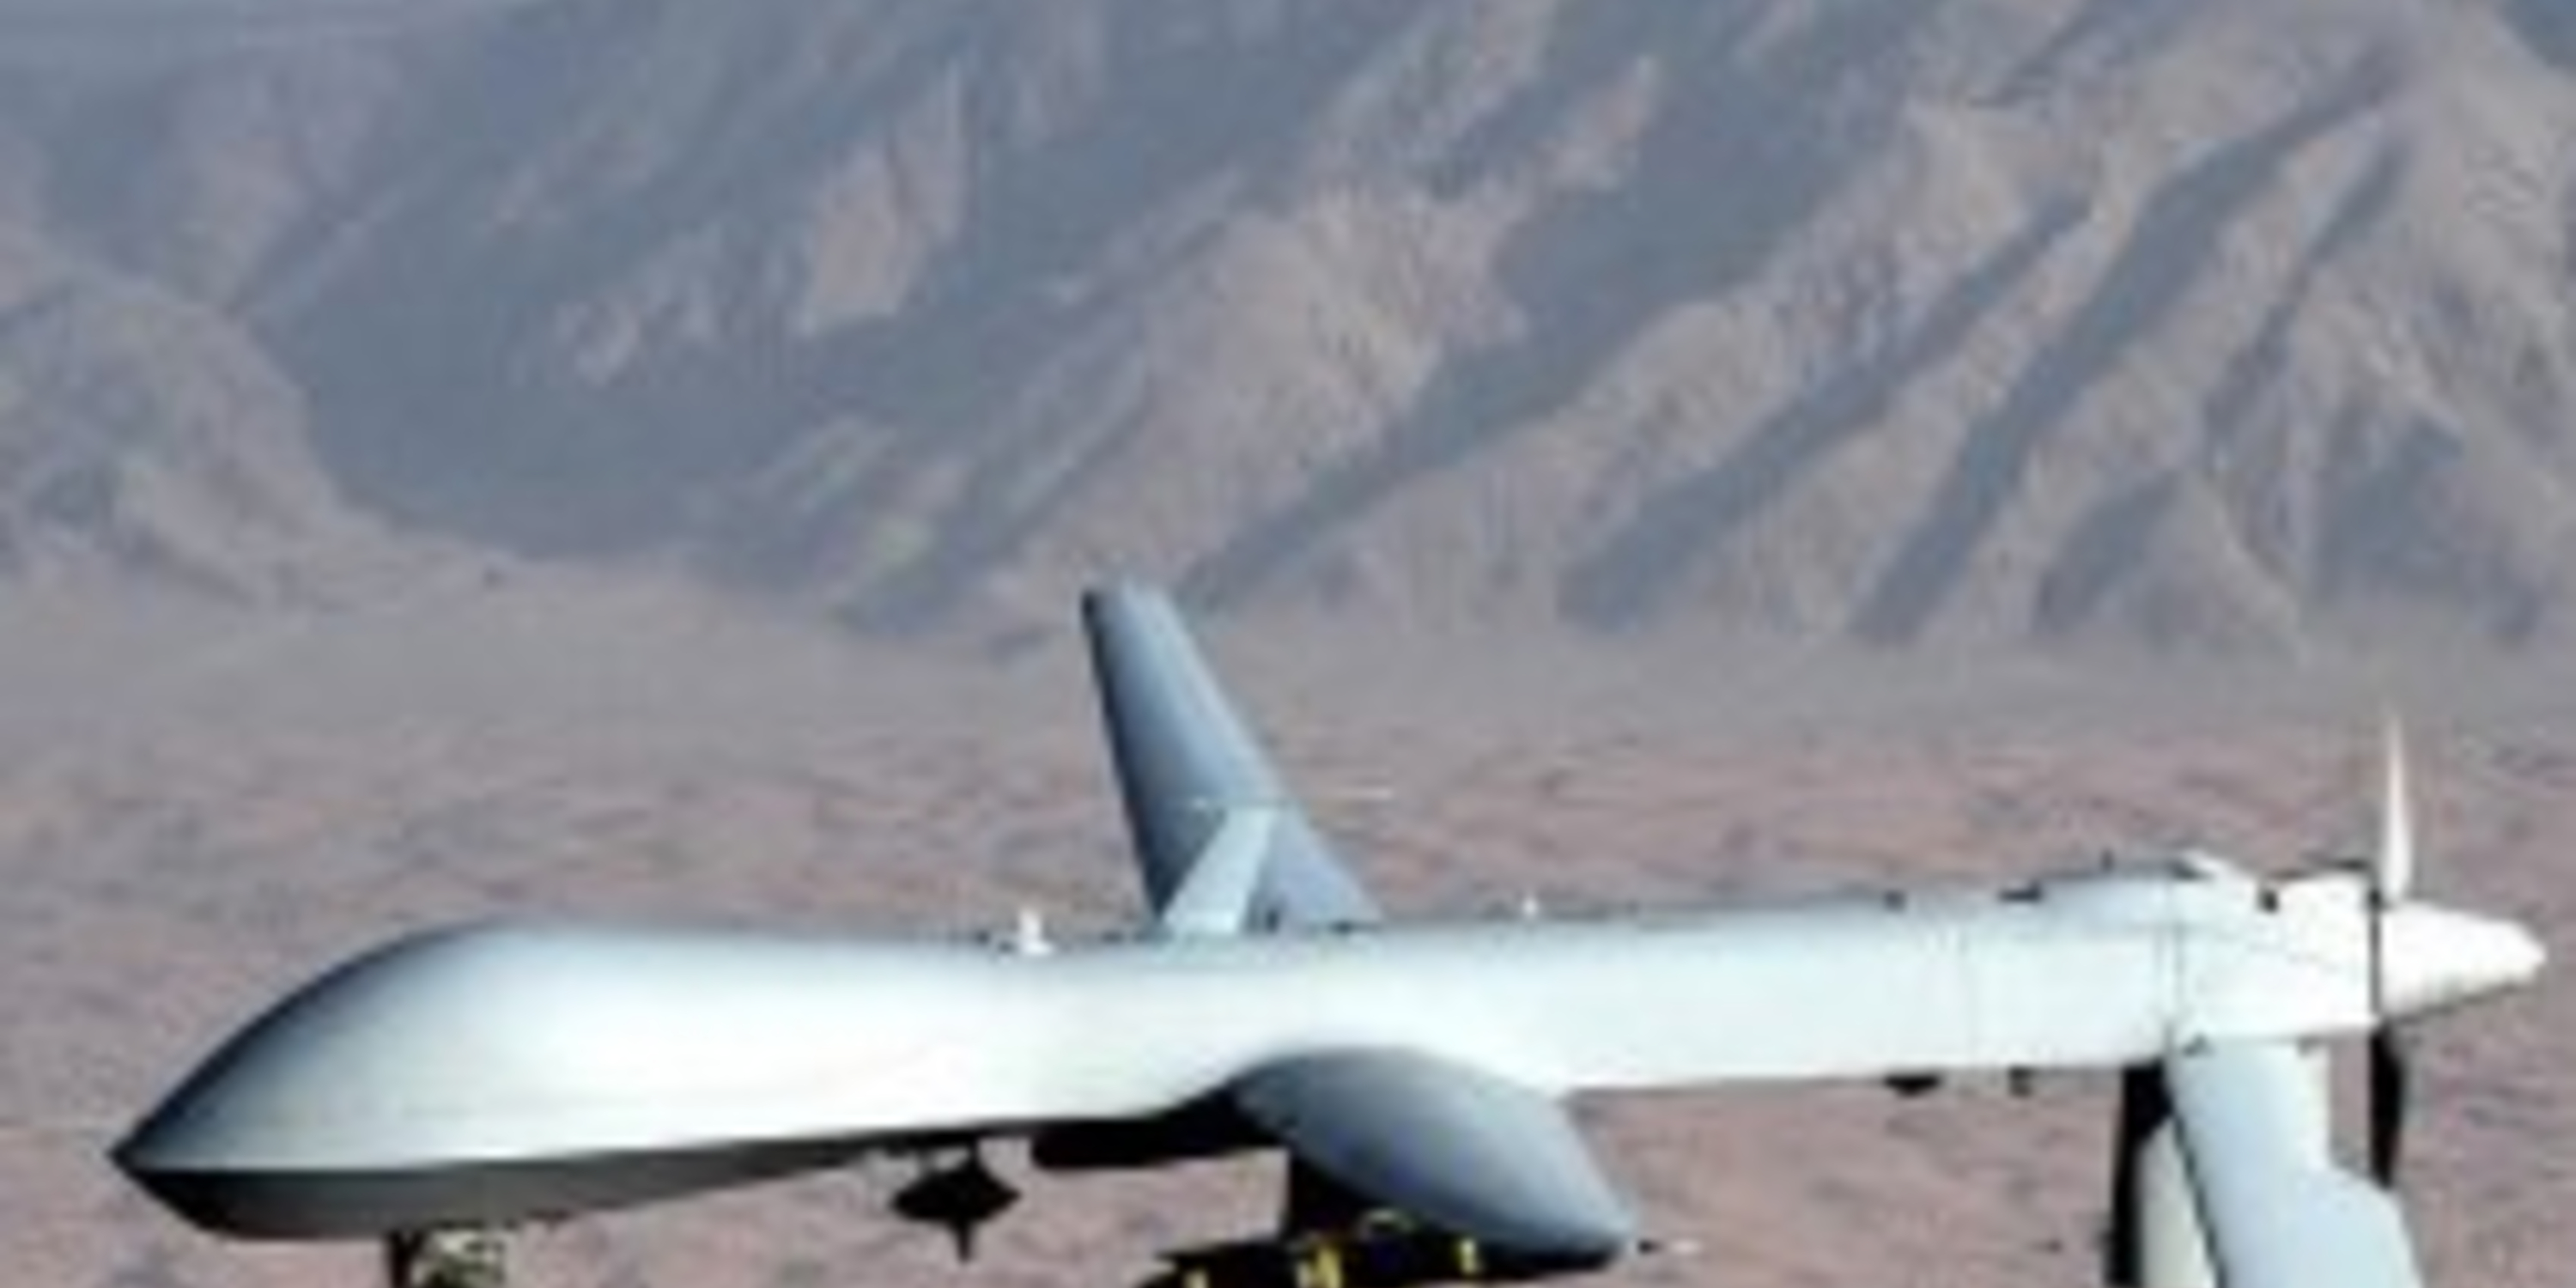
[366,364]
[179,850]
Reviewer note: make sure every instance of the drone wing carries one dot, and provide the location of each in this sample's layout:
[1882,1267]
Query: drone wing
[2278,1211]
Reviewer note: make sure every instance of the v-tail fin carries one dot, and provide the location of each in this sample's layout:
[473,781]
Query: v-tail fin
[1222,847]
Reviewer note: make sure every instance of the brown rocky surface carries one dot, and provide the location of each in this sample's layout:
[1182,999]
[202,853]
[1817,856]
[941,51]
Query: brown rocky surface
[167,877]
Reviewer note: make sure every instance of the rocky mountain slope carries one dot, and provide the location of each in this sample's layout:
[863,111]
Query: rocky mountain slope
[2233,326]
[145,437]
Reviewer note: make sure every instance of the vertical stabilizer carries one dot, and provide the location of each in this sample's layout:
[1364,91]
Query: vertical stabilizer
[1186,763]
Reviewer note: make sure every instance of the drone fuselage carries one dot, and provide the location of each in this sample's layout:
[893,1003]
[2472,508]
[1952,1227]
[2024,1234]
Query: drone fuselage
[494,1075]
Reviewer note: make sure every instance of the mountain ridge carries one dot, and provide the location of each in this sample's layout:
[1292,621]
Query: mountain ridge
[2210,328]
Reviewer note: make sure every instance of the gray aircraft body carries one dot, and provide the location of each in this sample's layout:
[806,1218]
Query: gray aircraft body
[1416,1076]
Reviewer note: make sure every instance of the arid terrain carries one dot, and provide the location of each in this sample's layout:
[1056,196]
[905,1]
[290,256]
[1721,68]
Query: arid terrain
[170,866]
[611,458]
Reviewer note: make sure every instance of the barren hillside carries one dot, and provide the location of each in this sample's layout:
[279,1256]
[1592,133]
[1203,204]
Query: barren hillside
[2198,326]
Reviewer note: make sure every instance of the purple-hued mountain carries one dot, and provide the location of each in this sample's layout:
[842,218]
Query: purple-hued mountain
[2235,325]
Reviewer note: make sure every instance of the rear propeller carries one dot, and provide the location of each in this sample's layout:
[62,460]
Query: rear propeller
[2392,874]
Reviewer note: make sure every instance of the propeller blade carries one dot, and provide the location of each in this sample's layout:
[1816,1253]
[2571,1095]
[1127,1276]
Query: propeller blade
[2392,871]
[2392,1074]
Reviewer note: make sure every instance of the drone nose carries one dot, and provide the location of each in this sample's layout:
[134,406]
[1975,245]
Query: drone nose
[2525,957]
[2438,958]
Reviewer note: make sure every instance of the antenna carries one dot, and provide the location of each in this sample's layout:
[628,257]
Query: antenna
[1029,934]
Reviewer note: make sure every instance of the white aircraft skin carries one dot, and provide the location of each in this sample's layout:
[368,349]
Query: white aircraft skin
[573,1031]
[494,1075]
